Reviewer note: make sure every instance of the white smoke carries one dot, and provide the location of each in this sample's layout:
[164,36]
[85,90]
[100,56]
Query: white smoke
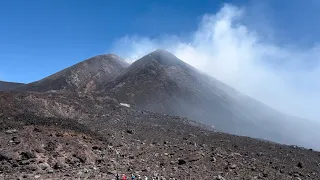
[284,77]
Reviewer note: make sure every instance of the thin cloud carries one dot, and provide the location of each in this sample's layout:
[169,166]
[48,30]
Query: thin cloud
[224,46]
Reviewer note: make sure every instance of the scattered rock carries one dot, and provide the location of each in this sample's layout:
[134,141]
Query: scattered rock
[219,177]
[58,165]
[265,174]
[213,159]
[44,166]
[14,165]
[168,157]
[15,140]
[3,157]
[296,175]
[27,155]
[81,157]
[59,134]
[129,131]
[281,171]
[50,171]
[37,130]
[11,131]
[181,162]
[85,170]
[96,148]
[32,167]
[24,176]
[24,162]
[51,146]
[233,166]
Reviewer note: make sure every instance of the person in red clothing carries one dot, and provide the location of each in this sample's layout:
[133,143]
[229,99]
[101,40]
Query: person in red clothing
[124,177]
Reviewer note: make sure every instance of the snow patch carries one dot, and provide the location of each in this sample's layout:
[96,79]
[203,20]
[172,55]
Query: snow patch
[124,104]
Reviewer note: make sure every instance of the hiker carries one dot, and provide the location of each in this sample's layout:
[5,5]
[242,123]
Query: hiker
[117,177]
[124,177]
[133,177]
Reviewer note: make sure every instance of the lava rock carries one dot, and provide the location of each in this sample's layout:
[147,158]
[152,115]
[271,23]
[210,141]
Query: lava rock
[51,146]
[27,155]
[181,162]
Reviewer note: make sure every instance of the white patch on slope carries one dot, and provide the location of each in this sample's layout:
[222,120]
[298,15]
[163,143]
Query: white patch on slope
[125,105]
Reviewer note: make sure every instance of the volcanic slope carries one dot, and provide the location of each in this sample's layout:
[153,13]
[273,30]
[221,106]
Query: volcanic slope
[5,86]
[83,76]
[68,135]
[160,82]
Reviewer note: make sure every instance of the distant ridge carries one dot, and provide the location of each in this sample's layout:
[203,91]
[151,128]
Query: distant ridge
[83,76]
[5,86]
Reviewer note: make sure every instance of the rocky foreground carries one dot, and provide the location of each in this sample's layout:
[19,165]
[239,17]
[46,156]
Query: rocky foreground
[48,136]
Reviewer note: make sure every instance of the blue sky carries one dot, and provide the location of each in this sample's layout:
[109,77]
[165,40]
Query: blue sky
[38,38]
[267,49]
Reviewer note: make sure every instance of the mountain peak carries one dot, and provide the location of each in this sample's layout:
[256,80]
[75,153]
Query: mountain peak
[113,56]
[161,51]
[104,58]
[156,61]
[163,57]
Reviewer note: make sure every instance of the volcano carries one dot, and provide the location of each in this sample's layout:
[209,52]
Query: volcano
[160,82]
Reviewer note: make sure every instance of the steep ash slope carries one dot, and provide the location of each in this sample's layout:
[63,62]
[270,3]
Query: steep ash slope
[160,82]
[57,136]
[5,86]
[84,76]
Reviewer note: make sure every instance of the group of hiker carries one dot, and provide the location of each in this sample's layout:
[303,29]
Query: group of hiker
[133,177]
